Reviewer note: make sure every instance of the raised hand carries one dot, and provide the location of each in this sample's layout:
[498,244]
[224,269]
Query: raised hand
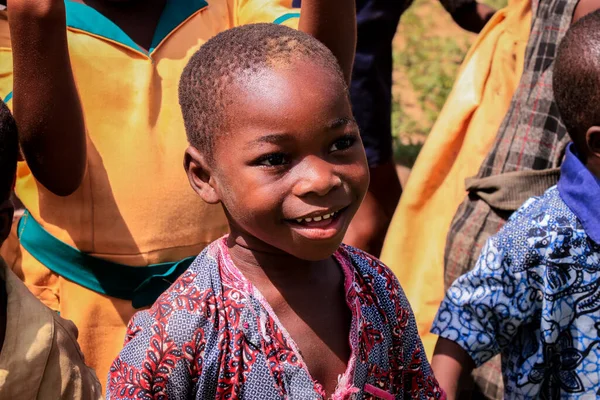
[45,100]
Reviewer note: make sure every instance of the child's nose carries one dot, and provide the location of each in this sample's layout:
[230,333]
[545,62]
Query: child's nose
[316,176]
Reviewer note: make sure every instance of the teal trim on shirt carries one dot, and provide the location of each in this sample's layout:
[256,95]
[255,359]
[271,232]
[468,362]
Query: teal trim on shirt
[285,17]
[174,14]
[8,97]
[140,285]
[87,19]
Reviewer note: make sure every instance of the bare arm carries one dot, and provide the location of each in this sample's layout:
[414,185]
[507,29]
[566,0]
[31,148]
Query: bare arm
[333,22]
[451,365]
[46,103]
[473,16]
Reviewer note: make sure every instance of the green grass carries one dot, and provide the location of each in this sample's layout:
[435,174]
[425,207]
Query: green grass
[429,61]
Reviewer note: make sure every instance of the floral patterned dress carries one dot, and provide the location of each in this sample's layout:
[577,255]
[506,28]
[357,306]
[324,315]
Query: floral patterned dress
[534,296]
[213,335]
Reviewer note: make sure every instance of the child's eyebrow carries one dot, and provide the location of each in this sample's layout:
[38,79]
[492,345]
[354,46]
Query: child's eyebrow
[274,138]
[340,122]
[278,138]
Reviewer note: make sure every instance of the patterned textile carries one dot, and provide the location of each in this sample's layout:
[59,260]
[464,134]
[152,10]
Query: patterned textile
[533,296]
[531,137]
[213,335]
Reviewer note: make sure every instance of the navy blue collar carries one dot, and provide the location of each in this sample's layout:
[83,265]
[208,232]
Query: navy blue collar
[580,190]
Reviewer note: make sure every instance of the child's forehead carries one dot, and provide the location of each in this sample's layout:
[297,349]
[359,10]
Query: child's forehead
[277,79]
[283,91]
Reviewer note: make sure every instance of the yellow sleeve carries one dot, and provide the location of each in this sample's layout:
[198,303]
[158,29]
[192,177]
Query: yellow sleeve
[6,75]
[255,11]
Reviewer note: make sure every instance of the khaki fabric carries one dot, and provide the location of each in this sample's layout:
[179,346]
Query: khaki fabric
[508,192]
[40,358]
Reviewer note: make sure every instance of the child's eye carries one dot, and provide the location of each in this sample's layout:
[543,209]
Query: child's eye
[272,160]
[343,143]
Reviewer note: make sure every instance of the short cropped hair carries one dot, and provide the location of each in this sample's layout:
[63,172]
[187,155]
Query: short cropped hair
[576,77]
[230,57]
[9,151]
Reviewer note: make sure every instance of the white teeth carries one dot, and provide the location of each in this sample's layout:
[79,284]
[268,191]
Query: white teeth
[316,219]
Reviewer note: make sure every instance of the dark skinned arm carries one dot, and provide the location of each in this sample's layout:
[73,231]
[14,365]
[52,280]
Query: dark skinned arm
[473,16]
[451,366]
[333,22]
[45,102]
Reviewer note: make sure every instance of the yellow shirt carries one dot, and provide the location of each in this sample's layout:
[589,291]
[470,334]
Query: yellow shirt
[40,358]
[135,205]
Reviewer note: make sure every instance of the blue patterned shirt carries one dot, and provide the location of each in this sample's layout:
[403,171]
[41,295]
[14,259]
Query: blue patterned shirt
[534,294]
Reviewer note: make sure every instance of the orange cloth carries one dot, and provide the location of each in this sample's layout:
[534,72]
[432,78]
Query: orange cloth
[454,150]
[135,205]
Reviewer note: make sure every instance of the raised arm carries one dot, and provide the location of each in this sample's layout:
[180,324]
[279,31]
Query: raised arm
[470,15]
[473,16]
[45,101]
[333,22]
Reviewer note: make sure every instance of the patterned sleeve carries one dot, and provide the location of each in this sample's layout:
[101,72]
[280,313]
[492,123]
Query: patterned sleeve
[255,11]
[163,355]
[484,308]
[417,375]
[409,373]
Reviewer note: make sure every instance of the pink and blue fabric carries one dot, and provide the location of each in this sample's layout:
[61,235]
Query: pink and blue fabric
[213,335]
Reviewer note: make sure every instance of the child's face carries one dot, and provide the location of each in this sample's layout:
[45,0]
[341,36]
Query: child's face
[292,151]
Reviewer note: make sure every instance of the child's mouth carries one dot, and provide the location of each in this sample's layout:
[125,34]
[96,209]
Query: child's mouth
[319,227]
[321,220]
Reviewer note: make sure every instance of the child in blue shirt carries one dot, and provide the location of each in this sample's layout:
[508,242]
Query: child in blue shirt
[534,295]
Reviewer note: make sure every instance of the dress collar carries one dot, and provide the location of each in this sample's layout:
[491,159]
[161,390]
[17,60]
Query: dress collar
[84,18]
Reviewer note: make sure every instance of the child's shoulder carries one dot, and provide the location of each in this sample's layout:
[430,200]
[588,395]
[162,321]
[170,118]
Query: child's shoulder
[364,262]
[542,210]
[369,270]
[540,229]
[192,296]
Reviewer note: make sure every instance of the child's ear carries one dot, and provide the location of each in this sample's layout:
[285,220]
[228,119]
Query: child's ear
[7,212]
[200,175]
[592,139]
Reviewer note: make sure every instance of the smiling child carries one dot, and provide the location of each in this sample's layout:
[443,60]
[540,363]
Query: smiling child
[278,308]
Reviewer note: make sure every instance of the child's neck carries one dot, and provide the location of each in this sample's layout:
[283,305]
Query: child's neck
[593,165]
[278,269]
[308,298]
[137,18]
